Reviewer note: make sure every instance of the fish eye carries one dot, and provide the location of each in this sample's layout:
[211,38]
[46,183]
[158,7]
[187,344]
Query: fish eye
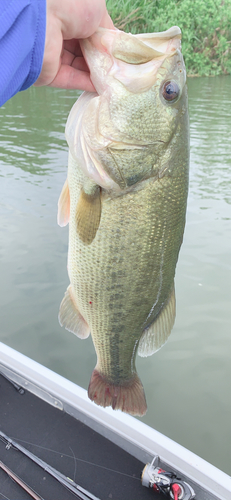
[170,91]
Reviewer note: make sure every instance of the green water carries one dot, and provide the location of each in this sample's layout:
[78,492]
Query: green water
[187,383]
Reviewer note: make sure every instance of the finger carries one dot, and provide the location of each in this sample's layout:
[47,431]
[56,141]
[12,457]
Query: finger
[71,78]
[83,17]
[106,22]
[70,59]
[73,46]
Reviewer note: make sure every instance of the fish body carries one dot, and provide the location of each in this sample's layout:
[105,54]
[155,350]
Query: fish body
[125,200]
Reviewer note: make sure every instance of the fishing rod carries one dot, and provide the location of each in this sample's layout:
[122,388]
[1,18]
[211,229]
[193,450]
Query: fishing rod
[68,483]
[20,482]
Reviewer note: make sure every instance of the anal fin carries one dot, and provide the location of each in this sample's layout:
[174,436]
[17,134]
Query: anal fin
[88,213]
[155,336]
[64,206]
[70,317]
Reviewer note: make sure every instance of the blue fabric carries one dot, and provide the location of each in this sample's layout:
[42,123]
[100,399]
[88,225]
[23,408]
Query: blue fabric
[22,41]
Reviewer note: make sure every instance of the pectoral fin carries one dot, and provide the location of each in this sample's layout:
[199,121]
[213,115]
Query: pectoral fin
[64,206]
[157,334]
[70,317]
[88,213]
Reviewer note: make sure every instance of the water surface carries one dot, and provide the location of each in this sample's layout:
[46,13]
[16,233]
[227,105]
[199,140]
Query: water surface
[187,383]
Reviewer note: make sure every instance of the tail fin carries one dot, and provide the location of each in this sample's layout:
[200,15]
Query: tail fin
[129,397]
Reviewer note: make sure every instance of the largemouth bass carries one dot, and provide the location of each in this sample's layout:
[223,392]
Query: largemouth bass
[125,201]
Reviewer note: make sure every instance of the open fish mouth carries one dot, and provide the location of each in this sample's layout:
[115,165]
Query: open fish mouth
[133,60]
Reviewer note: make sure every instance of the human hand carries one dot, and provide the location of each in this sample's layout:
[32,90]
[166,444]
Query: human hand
[67,22]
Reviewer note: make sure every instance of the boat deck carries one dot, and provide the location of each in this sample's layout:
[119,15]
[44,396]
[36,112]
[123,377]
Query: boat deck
[68,445]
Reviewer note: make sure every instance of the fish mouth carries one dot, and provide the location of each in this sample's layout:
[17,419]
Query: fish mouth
[133,60]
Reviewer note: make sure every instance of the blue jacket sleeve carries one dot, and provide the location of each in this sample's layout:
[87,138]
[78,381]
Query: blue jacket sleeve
[22,41]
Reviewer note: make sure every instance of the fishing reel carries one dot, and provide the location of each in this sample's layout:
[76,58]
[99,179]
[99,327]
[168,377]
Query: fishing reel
[166,482]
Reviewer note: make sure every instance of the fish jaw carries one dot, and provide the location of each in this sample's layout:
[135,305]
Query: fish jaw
[133,60]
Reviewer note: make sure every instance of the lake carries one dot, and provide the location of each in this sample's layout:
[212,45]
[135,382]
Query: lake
[187,382]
